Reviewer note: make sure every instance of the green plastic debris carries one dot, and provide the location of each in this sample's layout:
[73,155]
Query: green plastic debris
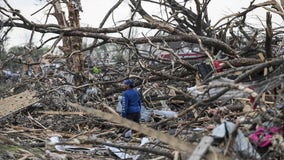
[96,70]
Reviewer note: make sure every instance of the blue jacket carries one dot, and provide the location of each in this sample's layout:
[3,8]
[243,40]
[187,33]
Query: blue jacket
[131,102]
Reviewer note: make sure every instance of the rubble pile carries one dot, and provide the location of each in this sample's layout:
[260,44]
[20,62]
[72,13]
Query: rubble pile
[233,118]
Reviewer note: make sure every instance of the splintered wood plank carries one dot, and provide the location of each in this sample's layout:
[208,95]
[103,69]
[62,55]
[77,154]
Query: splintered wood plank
[61,113]
[173,141]
[17,102]
[201,149]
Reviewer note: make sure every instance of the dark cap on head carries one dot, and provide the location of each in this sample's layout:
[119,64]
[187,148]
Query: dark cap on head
[129,82]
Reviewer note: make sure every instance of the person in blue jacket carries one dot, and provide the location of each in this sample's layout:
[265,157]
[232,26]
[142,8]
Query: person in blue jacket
[131,102]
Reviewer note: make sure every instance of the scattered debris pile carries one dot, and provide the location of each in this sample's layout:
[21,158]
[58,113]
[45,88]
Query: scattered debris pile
[216,116]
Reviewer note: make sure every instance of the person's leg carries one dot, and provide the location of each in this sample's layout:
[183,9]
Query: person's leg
[135,117]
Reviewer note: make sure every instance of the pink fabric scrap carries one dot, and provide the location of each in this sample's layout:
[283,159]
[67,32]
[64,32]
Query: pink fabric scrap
[217,65]
[262,137]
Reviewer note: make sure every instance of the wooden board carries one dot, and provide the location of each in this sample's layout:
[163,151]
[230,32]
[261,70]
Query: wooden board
[202,148]
[17,102]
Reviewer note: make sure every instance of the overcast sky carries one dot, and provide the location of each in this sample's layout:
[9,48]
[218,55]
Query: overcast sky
[95,10]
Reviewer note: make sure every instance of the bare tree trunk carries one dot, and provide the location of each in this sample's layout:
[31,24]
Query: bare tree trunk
[76,41]
[70,44]
[269,35]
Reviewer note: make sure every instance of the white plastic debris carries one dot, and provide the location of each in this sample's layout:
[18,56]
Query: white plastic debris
[128,134]
[144,141]
[119,106]
[198,93]
[121,154]
[72,148]
[194,91]
[198,129]
[67,148]
[241,143]
[167,114]
[146,114]
[53,140]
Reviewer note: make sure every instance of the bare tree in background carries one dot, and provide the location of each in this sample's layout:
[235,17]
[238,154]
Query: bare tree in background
[177,26]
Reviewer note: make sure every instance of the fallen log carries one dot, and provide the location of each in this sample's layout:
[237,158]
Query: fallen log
[186,148]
